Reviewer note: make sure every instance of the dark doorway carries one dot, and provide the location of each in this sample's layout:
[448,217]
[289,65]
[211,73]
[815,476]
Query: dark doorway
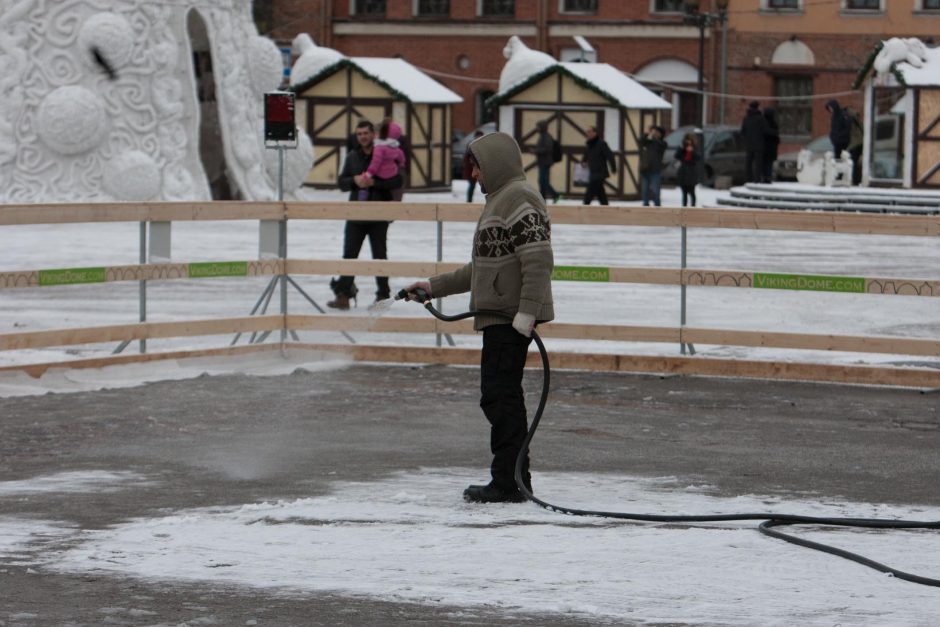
[211,150]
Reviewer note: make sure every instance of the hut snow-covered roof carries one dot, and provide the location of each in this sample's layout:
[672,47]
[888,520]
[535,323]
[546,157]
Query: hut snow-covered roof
[525,67]
[397,75]
[909,61]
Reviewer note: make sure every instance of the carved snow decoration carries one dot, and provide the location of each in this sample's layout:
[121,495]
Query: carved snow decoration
[522,63]
[311,60]
[69,132]
[896,49]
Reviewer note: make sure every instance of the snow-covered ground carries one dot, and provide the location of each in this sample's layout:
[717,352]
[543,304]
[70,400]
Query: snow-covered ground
[408,539]
[80,245]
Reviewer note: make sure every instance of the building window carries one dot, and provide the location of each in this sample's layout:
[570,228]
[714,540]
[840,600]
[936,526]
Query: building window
[930,5]
[782,4]
[368,7]
[499,8]
[863,5]
[433,7]
[794,106]
[667,6]
[579,6]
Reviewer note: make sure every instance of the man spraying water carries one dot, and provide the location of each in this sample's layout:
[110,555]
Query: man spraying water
[509,274]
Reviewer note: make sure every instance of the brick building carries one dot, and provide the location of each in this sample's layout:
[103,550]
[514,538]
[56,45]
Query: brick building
[460,42]
[814,49]
[800,51]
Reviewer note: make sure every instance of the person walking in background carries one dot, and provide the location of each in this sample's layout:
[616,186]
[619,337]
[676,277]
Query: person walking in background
[510,271]
[688,157]
[597,156]
[352,179]
[856,142]
[545,159]
[468,169]
[839,130]
[771,143]
[754,131]
[652,149]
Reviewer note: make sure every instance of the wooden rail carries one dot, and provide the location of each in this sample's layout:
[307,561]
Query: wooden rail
[667,217]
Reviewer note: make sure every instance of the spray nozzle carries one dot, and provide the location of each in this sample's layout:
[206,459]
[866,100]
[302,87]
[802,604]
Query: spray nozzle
[417,294]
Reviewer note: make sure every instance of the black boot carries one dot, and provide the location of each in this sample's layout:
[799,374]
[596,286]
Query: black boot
[491,493]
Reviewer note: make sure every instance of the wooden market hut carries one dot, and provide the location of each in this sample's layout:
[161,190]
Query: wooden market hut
[331,102]
[572,97]
[901,80]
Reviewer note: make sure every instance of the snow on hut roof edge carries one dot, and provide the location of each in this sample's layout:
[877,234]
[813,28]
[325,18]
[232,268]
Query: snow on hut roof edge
[397,75]
[601,78]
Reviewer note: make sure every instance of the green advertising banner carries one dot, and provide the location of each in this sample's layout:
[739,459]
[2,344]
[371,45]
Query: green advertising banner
[816,283]
[71,276]
[581,273]
[211,269]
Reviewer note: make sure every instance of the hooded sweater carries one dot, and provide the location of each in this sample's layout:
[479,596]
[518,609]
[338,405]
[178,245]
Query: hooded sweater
[511,261]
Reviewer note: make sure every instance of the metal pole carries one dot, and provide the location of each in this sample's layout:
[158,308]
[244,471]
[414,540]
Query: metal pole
[282,241]
[682,292]
[440,257]
[143,283]
[724,67]
[702,21]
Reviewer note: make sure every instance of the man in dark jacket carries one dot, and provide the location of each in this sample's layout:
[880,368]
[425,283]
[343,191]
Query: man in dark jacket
[597,156]
[840,129]
[652,149]
[754,131]
[362,188]
[544,159]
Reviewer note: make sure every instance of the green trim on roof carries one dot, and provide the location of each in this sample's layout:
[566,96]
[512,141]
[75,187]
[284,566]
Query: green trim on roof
[339,65]
[498,99]
[869,62]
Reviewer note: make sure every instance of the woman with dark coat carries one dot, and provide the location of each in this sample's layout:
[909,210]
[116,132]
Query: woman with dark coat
[597,156]
[771,143]
[688,157]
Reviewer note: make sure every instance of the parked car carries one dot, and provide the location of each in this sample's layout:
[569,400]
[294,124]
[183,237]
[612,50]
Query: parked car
[723,154]
[786,167]
[459,147]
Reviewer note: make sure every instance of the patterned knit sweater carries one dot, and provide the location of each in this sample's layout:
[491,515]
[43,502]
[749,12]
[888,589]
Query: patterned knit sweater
[511,263]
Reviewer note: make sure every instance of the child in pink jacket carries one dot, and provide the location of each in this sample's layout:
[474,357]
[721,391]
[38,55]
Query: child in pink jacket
[387,156]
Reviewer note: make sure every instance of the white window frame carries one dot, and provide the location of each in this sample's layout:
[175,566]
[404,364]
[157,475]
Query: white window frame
[562,11]
[653,10]
[851,10]
[414,11]
[919,7]
[765,6]
[480,9]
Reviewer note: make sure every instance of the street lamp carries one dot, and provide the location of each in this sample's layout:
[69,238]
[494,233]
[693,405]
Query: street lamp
[694,16]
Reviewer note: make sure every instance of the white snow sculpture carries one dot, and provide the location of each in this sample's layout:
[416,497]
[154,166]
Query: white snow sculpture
[297,163]
[311,60]
[71,120]
[522,62]
[896,49]
[133,175]
[837,172]
[69,133]
[265,65]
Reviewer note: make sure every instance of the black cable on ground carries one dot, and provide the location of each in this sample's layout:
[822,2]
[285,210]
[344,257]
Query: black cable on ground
[771,520]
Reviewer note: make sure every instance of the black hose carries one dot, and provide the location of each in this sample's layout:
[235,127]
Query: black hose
[771,520]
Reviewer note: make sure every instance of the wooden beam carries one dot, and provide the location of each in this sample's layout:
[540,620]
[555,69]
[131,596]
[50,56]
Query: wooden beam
[366,267]
[823,342]
[139,331]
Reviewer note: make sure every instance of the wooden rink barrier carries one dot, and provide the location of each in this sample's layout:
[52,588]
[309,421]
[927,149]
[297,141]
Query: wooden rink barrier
[670,217]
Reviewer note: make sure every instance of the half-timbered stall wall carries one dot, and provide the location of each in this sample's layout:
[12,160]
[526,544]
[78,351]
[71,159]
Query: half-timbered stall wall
[572,97]
[335,92]
[902,114]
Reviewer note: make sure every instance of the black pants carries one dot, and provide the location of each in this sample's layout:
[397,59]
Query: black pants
[856,153]
[595,189]
[470,187]
[688,193]
[754,165]
[503,402]
[356,233]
